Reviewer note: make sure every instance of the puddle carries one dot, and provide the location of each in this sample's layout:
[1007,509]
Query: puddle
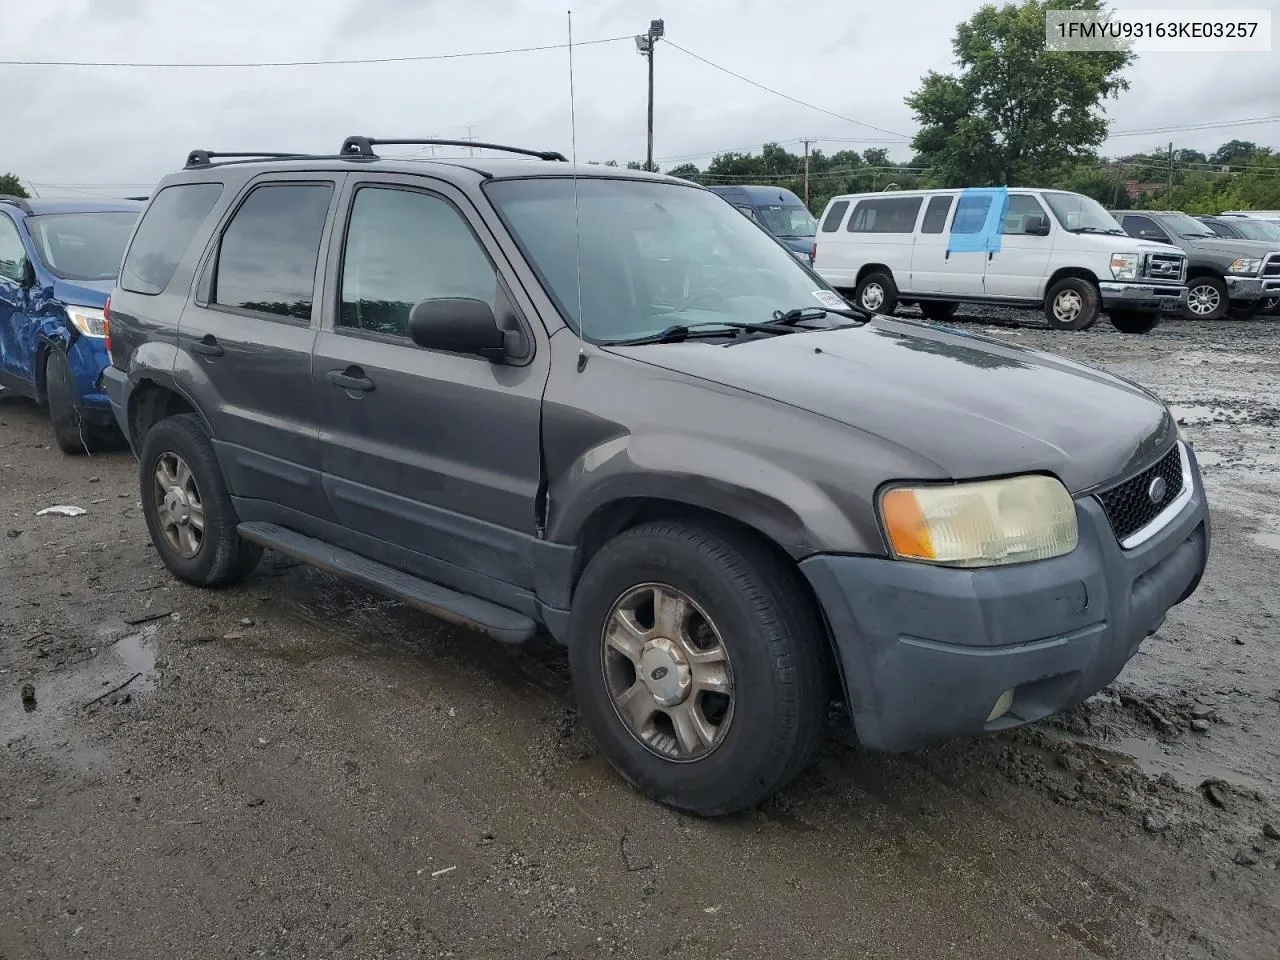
[1207,458]
[1195,414]
[125,667]
[1194,358]
[1267,539]
[1155,758]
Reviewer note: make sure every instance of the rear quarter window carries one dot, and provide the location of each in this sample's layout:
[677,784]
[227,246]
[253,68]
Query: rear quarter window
[885,215]
[165,233]
[835,216]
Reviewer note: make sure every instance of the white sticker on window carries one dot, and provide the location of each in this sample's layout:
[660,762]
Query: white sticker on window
[830,299]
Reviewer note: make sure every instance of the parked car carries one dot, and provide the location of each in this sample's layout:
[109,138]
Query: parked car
[1222,274]
[456,384]
[1237,227]
[1271,215]
[779,211]
[1046,249]
[58,260]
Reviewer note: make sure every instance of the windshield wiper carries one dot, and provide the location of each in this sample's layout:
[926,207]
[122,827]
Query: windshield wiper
[1198,236]
[1115,233]
[684,331]
[799,314]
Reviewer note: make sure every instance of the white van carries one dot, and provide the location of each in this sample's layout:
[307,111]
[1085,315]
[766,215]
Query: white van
[1048,249]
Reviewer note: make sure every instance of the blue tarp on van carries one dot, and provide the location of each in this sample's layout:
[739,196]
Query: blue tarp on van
[979,216]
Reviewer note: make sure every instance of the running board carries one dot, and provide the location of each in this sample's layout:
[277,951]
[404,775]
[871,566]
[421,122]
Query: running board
[506,626]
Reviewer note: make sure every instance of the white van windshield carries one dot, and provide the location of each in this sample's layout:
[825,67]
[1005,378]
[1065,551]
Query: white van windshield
[654,255]
[1080,214]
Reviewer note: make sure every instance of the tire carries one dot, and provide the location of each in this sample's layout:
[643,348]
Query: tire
[1134,321]
[1271,306]
[774,648]
[939,311]
[1246,310]
[879,287]
[72,434]
[1207,298]
[220,557]
[1072,304]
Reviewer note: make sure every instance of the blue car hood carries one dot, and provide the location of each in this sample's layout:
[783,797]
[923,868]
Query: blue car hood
[798,244]
[84,293]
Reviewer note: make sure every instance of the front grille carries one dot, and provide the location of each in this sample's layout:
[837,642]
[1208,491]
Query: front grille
[1166,267]
[1271,267]
[1129,506]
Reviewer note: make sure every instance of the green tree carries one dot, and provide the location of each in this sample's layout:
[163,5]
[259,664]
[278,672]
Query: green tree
[686,171]
[1015,112]
[11,186]
[1233,152]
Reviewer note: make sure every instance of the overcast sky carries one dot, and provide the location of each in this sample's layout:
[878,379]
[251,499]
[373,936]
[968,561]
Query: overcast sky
[113,131]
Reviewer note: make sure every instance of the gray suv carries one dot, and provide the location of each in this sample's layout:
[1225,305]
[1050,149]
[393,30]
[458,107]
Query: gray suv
[1223,275]
[521,396]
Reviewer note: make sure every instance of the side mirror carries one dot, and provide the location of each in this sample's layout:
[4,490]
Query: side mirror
[1037,226]
[458,325]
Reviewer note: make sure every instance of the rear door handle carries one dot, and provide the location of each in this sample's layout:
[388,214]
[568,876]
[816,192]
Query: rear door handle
[207,346]
[352,378]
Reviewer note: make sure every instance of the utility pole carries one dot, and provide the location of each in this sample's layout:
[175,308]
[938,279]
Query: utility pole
[471,137]
[1170,168]
[645,43]
[806,173]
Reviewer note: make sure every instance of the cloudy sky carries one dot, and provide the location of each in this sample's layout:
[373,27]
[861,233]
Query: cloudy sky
[116,130]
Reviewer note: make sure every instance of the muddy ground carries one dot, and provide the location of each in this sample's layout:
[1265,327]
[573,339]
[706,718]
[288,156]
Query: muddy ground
[293,768]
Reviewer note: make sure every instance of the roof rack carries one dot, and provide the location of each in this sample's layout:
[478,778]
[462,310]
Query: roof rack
[363,147]
[18,202]
[204,158]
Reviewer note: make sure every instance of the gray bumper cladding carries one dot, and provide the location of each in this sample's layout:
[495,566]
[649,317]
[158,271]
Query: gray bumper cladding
[928,651]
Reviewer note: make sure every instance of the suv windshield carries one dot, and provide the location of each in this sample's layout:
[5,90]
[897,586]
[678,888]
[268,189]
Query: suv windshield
[653,255]
[1081,214]
[789,220]
[82,246]
[1185,226]
[1256,229]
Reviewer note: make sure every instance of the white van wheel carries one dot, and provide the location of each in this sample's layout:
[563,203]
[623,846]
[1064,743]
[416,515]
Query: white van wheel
[877,293]
[1072,304]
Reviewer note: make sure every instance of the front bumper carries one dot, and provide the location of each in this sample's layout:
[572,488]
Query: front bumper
[1142,296]
[928,651]
[1252,288]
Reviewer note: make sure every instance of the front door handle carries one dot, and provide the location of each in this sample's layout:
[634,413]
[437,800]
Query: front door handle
[352,378]
[207,346]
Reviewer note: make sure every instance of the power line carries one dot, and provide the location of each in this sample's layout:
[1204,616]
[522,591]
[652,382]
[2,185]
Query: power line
[1210,125]
[308,63]
[784,96]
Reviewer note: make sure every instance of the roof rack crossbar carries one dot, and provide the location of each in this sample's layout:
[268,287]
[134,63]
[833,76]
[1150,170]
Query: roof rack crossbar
[204,158]
[19,202]
[363,147]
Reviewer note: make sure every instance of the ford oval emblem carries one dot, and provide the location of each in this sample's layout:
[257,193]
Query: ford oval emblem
[1156,490]
[659,673]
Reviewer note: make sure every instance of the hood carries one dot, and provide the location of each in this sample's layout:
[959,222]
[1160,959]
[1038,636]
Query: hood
[84,293]
[798,244]
[1235,248]
[974,406]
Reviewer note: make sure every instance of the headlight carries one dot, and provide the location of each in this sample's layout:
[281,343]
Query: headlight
[1124,266]
[981,524]
[1245,265]
[90,322]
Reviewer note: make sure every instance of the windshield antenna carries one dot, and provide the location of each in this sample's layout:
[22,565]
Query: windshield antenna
[577,229]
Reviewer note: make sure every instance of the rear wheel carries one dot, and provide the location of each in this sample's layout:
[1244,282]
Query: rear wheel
[188,507]
[877,293]
[66,412]
[1072,304]
[938,311]
[1133,321]
[699,665]
[1246,310]
[1206,298]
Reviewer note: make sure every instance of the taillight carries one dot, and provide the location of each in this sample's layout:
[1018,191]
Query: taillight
[813,253]
[106,329]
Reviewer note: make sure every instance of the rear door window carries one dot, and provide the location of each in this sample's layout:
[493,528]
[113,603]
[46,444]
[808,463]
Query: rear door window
[885,215]
[162,238]
[971,215]
[268,254]
[935,215]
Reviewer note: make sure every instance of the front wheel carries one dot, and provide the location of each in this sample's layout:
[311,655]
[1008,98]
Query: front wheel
[70,430]
[877,293]
[1072,304]
[698,664]
[1207,298]
[1134,321]
[188,507]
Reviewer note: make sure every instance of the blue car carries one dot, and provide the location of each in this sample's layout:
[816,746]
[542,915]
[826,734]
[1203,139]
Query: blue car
[58,263]
[779,211]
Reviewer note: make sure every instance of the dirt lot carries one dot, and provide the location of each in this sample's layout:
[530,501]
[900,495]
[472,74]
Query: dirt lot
[293,768]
